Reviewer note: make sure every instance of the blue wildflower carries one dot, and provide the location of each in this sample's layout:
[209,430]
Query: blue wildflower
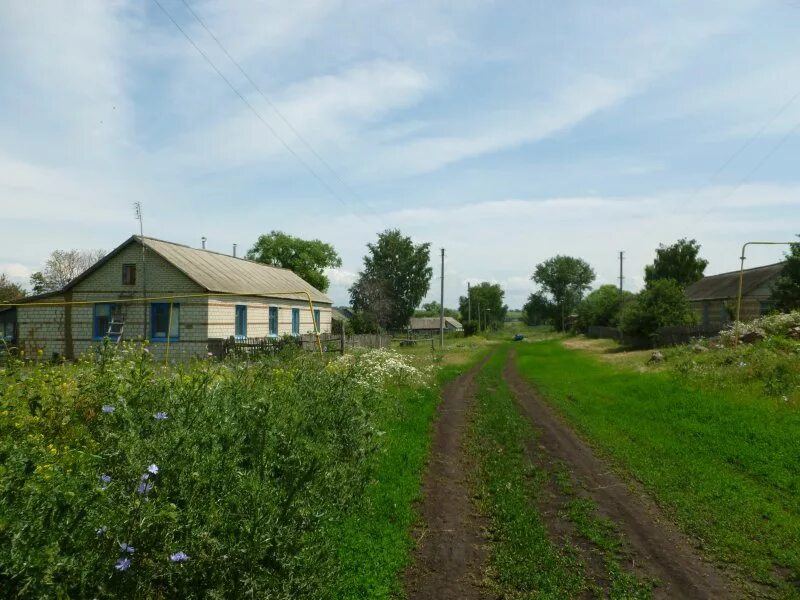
[101,530]
[104,480]
[123,564]
[144,487]
[127,548]
[108,409]
[180,556]
[160,416]
[153,469]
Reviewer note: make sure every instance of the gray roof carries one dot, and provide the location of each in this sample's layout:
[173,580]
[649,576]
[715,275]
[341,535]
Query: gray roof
[726,285]
[216,273]
[432,323]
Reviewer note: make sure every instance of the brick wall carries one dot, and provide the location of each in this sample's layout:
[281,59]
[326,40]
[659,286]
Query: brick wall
[222,316]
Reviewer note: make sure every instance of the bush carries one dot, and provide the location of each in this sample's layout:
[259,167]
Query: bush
[602,307]
[123,479]
[779,324]
[470,328]
[660,304]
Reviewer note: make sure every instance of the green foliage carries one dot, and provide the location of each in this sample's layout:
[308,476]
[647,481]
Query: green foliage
[470,328]
[257,464]
[679,261]
[563,281]
[487,305]
[9,291]
[660,304]
[602,307]
[395,279]
[786,289]
[538,310]
[723,461]
[307,258]
[433,309]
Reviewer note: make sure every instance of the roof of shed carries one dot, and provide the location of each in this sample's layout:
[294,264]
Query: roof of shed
[726,285]
[432,322]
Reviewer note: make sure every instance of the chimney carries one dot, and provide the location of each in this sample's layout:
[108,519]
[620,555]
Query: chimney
[203,240]
[234,251]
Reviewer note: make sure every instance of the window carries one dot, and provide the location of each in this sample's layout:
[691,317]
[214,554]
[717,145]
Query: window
[706,313]
[273,320]
[128,274]
[765,307]
[160,321]
[241,321]
[103,315]
[317,319]
[295,321]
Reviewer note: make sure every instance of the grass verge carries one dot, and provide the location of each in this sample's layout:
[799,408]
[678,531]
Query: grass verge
[724,463]
[525,561]
[375,543]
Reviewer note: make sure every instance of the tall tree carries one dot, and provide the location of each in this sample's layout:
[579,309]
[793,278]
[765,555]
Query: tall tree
[307,258]
[679,261]
[563,281]
[538,310]
[489,297]
[602,307]
[786,289]
[395,279]
[433,309]
[62,267]
[9,291]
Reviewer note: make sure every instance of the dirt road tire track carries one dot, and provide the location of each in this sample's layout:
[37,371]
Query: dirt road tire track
[661,550]
[450,553]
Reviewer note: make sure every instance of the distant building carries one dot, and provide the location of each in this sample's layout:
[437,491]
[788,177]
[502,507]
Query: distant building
[430,325]
[713,298]
[252,302]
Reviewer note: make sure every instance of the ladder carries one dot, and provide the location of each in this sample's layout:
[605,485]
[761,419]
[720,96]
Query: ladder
[115,328]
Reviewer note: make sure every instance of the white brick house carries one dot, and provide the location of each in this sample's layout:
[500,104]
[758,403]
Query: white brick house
[147,268]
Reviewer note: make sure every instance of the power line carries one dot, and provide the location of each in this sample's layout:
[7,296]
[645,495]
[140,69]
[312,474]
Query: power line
[275,109]
[288,148]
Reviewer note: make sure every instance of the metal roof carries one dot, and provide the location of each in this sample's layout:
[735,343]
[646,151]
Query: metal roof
[432,323]
[726,285]
[226,274]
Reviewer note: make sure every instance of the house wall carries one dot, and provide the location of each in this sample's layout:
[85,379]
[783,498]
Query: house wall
[222,316]
[717,314]
[40,330]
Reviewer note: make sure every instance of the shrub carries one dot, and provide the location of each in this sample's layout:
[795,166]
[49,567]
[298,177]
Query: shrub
[123,479]
[602,307]
[660,304]
[470,328]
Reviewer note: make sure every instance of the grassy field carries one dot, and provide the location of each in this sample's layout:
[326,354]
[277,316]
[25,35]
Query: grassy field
[723,462]
[511,482]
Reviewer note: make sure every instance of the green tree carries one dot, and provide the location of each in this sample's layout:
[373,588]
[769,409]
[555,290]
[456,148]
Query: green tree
[563,281]
[61,267]
[9,291]
[432,309]
[307,258]
[680,262]
[489,298]
[602,307]
[786,289]
[538,310]
[395,279]
[660,304]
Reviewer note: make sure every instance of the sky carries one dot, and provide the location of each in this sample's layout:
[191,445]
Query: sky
[504,132]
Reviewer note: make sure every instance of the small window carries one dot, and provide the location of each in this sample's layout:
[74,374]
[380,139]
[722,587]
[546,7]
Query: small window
[129,274]
[161,320]
[295,321]
[317,319]
[241,321]
[104,313]
[273,320]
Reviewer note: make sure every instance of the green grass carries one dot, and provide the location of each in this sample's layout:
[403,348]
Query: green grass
[375,544]
[725,463]
[524,562]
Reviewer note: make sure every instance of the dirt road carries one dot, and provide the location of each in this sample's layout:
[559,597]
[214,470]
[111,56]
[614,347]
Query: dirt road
[657,548]
[450,555]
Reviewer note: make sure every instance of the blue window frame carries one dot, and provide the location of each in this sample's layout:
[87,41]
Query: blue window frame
[241,321]
[104,313]
[273,320]
[295,321]
[317,319]
[160,321]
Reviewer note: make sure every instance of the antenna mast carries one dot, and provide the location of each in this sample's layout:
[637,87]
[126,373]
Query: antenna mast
[137,207]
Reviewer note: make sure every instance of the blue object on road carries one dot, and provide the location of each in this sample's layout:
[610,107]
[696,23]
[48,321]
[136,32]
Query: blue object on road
[519,337]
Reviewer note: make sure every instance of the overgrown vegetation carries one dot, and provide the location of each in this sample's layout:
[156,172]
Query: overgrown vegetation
[120,478]
[716,451]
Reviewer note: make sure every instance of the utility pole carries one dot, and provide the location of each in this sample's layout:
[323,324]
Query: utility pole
[441,306]
[137,206]
[469,302]
[621,256]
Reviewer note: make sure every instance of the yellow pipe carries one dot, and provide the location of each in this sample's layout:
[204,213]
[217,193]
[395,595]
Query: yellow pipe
[741,284]
[175,297]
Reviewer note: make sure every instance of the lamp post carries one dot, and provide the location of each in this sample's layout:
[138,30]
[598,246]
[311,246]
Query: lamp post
[741,283]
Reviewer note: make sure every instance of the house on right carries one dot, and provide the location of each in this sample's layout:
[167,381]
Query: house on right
[713,298]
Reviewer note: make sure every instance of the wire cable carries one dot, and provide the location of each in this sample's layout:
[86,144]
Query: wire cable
[275,109]
[288,148]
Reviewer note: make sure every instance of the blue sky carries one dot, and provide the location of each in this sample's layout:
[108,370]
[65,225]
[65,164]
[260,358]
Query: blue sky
[506,132]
